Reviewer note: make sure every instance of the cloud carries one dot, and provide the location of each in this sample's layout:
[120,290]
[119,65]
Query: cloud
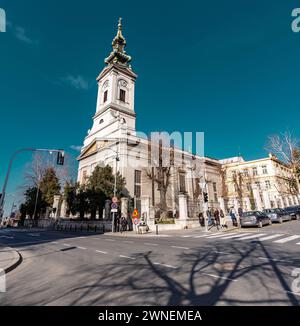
[77,82]
[21,34]
[76,148]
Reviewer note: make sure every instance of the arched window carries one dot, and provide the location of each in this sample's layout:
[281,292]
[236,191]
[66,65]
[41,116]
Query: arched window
[122,90]
[101,121]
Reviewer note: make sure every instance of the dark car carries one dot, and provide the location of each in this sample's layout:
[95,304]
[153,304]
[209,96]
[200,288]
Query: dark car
[277,215]
[293,211]
[255,218]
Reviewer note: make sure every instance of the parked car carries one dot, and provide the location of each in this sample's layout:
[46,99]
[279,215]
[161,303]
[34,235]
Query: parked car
[255,218]
[277,215]
[293,211]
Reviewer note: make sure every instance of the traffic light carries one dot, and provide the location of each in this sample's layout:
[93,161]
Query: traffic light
[205,197]
[60,158]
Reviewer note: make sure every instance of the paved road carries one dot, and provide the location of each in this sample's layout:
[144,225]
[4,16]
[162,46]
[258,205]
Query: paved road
[190,267]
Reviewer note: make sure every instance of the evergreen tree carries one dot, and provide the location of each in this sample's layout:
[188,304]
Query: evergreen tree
[49,186]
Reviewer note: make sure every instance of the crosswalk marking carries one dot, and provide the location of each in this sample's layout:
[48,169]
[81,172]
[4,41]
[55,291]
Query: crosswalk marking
[251,236]
[206,235]
[236,236]
[220,235]
[269,237]
[284,240]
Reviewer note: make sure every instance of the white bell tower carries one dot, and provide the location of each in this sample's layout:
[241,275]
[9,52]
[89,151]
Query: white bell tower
[115,102]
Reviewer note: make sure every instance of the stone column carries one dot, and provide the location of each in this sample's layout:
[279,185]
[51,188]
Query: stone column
[56,205]
[63,209]
[257,199]
[248,203]
[222,204]
[267,203]
[183,212]
[145,208]
[124,206]
[235,204]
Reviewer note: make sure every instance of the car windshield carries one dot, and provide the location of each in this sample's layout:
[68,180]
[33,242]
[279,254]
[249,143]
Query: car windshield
[250,213]
[272,210]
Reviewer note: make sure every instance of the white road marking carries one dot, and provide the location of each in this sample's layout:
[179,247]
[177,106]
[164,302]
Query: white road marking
[274,259]
[178,247]
[251,236]
[206,235]
[122,256]
[221,235]
[66,244]
[83,248]
[54,242]
[81,238]
[165,265]
[236,236]
[269,237]
[216,276]
[127,241]
[109,240]
[150,244]
[284,240]
[101,252]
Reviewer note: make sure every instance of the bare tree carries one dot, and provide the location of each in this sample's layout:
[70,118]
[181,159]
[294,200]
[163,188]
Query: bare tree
[287,149]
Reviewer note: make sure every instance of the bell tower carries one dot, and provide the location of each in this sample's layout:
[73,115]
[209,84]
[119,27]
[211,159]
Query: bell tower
[115,101]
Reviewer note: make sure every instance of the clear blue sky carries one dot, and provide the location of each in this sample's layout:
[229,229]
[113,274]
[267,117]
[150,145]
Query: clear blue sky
[229,68]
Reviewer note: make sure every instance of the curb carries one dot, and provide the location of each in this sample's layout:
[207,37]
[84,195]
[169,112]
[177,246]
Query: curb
[17,260]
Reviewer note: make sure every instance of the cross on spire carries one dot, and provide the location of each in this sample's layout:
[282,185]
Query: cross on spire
[118,55]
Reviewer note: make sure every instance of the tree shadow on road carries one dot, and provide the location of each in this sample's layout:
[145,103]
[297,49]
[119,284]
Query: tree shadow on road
[202,277]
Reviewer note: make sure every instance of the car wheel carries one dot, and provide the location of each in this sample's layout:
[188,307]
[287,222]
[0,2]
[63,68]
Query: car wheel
[280,221]
[270,222]
[260,225]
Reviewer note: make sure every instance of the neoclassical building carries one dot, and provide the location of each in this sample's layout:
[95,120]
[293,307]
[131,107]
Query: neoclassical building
[113,135]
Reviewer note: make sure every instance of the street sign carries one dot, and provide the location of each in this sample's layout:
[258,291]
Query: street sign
[135,214]
[114,205]
[136,221]
[114,199]
[114,210]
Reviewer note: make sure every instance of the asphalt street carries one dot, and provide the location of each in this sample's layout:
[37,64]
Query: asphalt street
[189,267]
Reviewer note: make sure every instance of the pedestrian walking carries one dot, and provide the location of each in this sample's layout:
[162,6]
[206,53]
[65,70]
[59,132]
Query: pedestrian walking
[223,220]
[123,224]
[201,219]
[233,216]
[217,217]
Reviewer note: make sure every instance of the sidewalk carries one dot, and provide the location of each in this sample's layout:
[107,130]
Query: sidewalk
[170,233]
[8,258]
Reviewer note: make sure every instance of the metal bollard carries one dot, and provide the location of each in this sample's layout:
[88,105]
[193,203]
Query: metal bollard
[156,229]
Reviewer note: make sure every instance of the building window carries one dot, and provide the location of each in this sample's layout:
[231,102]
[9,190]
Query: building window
[137,183]
[254,171]
[101,121]
[182,188]
[265,169]
[122,95]
[257,183]
[268,184]
[105,97]
[215,186]
[248,186]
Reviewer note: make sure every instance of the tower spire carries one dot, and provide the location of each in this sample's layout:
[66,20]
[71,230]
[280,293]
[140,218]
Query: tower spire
[118,55]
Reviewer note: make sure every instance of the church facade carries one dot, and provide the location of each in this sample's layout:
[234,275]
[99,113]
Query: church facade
[113,140]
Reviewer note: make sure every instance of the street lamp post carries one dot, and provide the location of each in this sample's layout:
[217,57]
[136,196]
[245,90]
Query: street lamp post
[10,166]
[203,186]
